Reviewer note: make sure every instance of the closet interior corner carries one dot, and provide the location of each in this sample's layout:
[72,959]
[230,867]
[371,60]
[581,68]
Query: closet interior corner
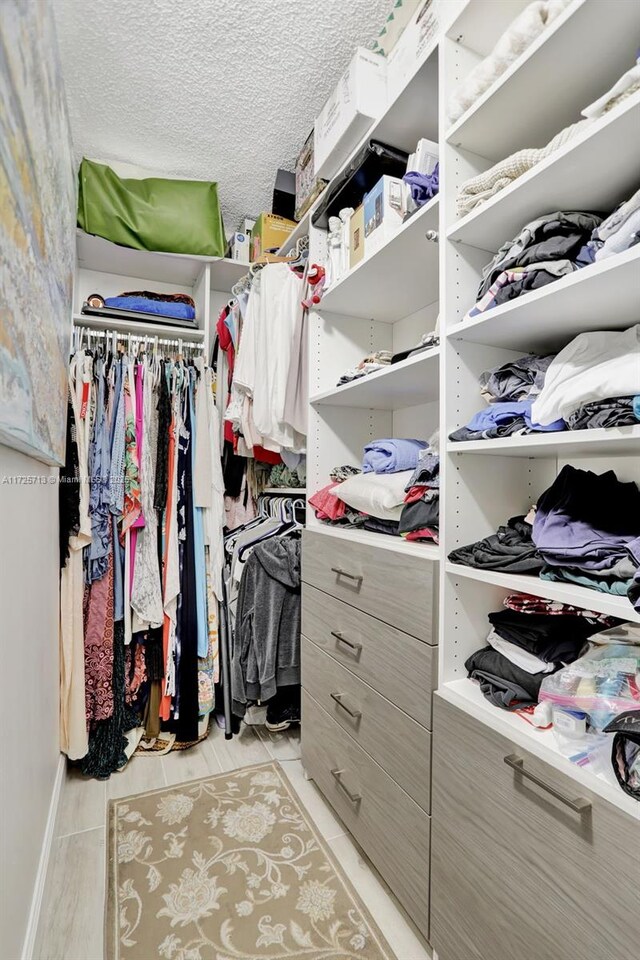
[348,499]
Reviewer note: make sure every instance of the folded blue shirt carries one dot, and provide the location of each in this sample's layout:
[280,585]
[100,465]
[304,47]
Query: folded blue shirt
[391,456]
[500,413]
[163,308]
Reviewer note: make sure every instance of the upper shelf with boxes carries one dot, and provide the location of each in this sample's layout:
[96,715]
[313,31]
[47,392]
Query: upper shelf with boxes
[373,340]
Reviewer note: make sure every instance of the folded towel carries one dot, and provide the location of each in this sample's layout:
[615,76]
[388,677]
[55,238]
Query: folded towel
[391,456]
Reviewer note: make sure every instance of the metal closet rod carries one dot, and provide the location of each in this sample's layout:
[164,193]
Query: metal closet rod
[146,339]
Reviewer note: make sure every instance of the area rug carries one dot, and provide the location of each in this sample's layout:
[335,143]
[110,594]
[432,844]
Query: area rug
[229,868]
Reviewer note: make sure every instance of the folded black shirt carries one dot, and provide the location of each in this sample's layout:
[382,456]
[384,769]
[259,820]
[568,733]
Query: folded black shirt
[503,683]
[552,638]
[511,548]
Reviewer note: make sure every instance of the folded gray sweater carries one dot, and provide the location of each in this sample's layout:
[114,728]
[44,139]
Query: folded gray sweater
[266,646]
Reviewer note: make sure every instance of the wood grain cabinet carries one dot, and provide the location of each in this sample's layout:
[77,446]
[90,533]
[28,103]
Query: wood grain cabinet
[369,667]
[535,870]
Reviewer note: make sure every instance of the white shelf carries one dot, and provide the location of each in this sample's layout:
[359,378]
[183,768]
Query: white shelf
[412,114]
[609,441]
[591,172]
[404,384]
[396,280]
[383,540]
[95,253]
[564,592]
[145,327]
[596,32]
[602,296]
[466,695]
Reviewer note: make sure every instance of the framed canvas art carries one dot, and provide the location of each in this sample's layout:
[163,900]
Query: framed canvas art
[37,233]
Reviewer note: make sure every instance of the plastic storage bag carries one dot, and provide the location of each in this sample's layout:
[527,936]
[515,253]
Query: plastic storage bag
[604,682]
[172,216]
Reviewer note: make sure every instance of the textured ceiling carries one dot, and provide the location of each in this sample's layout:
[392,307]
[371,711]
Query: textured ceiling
[222,90]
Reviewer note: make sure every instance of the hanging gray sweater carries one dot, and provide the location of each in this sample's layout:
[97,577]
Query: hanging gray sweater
[266,646]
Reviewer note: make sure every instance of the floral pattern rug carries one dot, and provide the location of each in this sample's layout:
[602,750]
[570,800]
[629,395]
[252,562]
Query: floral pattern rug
[229,868]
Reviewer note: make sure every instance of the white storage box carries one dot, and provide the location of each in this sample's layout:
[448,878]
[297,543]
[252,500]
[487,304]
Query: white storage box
[382,213]
[358,99]
[240,247]
[410,49]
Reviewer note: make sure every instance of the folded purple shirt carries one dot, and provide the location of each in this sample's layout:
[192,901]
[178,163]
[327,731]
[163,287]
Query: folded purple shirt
[588,520]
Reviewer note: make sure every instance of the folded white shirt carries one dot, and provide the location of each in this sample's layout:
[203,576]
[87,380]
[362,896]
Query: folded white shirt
[521,658]
[378,495]
[594,366]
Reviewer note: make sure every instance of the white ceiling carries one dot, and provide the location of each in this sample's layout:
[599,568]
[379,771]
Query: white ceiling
[223,90]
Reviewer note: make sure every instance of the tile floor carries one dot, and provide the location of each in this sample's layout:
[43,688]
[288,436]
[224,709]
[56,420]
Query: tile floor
[71,919]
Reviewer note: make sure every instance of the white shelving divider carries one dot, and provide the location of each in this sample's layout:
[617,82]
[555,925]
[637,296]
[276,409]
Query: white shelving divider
[484,483]
[108,269]
[386,302]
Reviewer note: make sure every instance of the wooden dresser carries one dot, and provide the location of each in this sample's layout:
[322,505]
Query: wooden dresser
[369,664]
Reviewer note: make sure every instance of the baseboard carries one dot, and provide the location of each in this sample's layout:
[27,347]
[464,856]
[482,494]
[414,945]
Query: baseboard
[45,853]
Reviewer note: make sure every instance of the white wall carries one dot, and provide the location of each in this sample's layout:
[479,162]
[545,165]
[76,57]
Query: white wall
[28,685]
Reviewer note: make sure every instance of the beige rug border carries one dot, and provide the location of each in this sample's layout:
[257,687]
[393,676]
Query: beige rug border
[110,918]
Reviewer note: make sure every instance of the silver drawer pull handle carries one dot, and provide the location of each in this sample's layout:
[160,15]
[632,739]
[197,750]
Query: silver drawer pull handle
[354,797]
[356,714]
[580,805]
[356,647]
[348,576]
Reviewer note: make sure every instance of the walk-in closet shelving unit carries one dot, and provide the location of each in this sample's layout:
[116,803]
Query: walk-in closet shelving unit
[108,269]
[383,303]
[369,601]
[568,827]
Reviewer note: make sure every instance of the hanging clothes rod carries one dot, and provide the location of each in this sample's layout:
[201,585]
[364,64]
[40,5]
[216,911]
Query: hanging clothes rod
[116,334]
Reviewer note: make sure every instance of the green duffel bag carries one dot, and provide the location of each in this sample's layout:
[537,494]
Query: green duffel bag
[173,216]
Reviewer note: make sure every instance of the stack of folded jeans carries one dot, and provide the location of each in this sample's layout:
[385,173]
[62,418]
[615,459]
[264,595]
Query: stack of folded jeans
[523,647]
[587,531]
[178,306]
[369,364]
[544,250]
[420,518]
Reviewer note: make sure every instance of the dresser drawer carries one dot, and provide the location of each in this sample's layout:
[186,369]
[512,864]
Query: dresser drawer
[390,827]
[397,589]
[401,668]
[517,871]
[400,745]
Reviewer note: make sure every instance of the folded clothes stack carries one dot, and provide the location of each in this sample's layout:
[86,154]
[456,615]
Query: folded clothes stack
[519,35]
[420,517]
[375,361]
[593,382]
[544,250]
[526,644]
[476,191]
[619,231]
[427,342]
[396,492]
[180,306]
[585,530]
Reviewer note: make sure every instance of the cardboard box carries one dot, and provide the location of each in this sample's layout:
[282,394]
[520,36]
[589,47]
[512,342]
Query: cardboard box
[269,233]
[411,47]
[239,247]
[308,186]
[356,236]
[382,213]
[399,16]
[423,160]
[358,99]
